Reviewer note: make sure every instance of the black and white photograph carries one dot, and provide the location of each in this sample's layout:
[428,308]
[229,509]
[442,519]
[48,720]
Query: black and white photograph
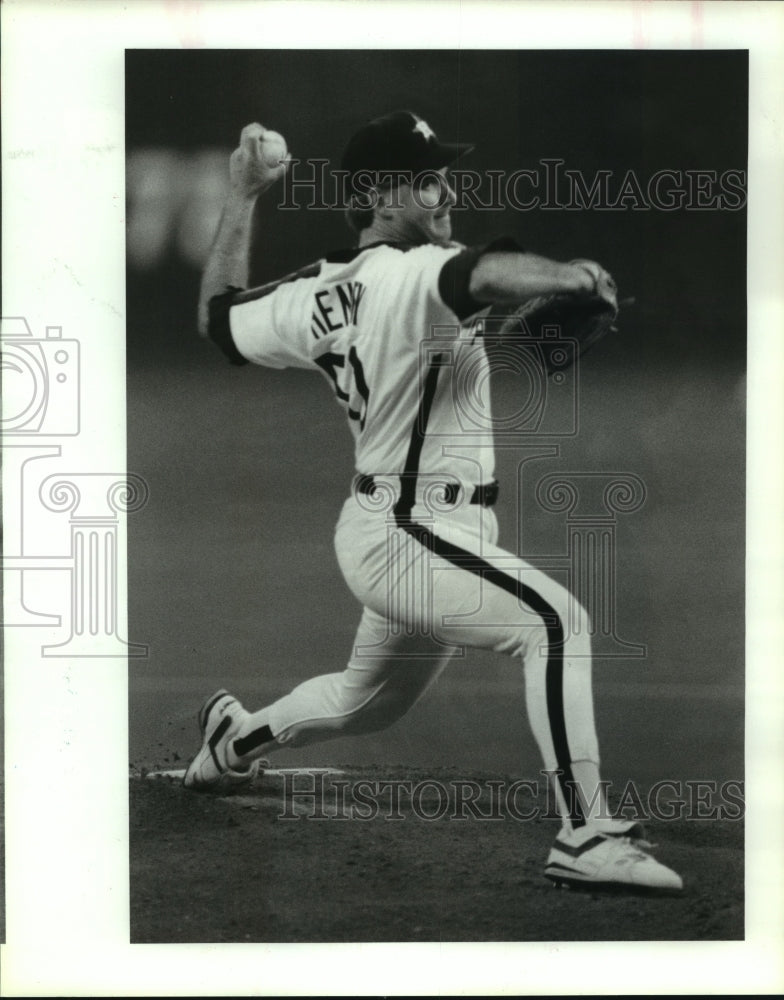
[412,584]
[519,560]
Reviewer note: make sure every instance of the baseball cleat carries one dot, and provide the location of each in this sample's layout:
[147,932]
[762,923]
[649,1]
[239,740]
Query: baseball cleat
[220,718]
[608,855]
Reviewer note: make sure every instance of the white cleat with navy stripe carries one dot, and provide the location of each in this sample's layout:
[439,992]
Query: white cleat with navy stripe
[220,718]
[608,855]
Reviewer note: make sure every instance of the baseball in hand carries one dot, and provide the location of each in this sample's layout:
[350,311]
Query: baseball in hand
[273,149]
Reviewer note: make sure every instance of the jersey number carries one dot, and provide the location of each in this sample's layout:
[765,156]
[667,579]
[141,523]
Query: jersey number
[333,364]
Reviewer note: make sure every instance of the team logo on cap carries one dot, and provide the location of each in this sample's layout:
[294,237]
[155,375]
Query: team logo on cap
[424,129]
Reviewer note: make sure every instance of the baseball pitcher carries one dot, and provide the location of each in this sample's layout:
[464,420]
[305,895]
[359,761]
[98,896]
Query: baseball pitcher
[397,326]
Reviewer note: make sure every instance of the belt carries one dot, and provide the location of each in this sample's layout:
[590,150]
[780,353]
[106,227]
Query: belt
[484,495]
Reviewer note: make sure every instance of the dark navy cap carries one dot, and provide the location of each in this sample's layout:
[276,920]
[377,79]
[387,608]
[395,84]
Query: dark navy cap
[400,141]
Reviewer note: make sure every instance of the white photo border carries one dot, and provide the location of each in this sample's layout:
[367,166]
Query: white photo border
[67,922]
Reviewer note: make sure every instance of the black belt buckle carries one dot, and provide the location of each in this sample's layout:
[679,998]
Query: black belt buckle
[451,493]
[366,485]
[486,494]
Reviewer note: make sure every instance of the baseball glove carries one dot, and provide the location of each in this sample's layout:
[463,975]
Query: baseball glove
[558,328]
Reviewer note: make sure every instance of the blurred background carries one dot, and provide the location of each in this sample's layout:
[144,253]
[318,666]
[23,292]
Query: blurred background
[232,575]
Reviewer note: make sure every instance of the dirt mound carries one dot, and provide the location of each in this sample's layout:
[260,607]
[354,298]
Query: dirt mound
[398,855]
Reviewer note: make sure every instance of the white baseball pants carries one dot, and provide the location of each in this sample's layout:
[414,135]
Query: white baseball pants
[427,587]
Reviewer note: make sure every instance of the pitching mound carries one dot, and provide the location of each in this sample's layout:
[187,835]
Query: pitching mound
[374,854]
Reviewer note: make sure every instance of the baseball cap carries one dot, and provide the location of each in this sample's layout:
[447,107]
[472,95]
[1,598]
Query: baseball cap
[400,141]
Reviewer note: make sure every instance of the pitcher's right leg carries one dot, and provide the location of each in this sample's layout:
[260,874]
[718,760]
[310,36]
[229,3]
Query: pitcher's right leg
[387,673]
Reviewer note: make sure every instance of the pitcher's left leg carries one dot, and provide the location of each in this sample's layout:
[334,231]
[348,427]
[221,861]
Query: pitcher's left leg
[493,600]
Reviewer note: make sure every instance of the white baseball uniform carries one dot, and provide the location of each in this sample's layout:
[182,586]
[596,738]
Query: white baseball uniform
[416,540]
